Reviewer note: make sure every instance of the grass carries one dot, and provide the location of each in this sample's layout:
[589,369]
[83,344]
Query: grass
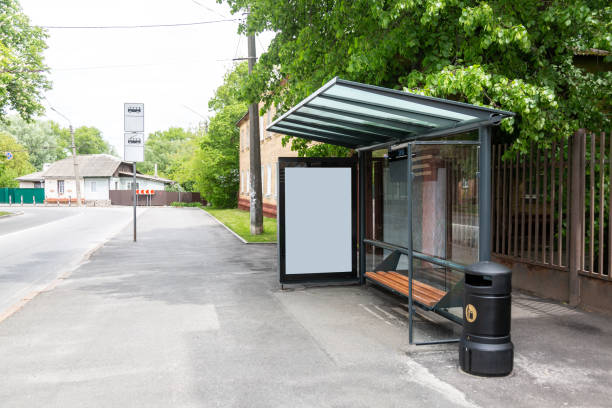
[180,204]
[7,213]
[239,221]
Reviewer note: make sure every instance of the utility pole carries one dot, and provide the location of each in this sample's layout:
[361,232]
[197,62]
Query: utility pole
[256,204]
[134,196]
[76,168]
[77,180]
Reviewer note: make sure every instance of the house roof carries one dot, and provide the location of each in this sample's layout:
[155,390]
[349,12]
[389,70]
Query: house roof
[36,176]
[90,165]
[357,115]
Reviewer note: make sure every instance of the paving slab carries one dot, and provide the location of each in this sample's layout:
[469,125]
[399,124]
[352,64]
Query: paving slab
[191,317]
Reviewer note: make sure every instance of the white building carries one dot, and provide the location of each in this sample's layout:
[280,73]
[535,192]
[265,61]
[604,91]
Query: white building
[99,173]
[32,180]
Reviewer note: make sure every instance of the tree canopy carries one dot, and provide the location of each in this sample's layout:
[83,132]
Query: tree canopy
[15,167]
[167,149]
[88,140]
[215,163]
[515,55]
[22,70]
[40,138]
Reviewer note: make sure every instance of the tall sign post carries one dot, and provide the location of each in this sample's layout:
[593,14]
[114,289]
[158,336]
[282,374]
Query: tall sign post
[133,142]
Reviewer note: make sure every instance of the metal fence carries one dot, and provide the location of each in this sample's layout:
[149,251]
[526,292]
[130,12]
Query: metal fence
[541,197]
[160,198]
[22,195]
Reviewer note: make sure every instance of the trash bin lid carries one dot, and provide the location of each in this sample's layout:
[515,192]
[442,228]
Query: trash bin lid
[488,268]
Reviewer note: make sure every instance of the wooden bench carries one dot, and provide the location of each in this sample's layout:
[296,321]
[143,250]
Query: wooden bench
[423,293]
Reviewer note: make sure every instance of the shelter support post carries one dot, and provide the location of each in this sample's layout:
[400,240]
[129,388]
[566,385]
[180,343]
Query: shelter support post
[362,214]
[484,194]
[409,244]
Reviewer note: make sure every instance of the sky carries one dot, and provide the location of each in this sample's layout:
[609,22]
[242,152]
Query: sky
[174,71]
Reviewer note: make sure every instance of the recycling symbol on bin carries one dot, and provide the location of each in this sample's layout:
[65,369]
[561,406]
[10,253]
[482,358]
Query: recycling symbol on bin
[470,313]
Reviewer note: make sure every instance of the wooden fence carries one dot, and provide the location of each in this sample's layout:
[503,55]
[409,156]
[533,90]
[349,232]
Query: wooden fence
[552,207]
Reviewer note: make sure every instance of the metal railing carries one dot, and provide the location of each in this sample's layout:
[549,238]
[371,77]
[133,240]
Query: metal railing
[539,198]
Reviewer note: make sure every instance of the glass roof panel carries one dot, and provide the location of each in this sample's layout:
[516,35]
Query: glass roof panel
[358,115]
[326,124]
[381,112]
[346,92]
[362,119]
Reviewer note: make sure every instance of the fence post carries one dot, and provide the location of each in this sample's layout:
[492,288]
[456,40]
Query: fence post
[576,235]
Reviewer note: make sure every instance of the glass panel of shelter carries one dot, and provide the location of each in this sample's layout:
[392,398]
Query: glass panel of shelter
[444,200]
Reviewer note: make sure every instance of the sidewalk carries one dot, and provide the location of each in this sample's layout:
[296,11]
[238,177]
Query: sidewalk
[190,317]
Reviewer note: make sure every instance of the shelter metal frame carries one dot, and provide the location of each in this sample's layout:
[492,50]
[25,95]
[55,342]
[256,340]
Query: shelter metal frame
[367,118]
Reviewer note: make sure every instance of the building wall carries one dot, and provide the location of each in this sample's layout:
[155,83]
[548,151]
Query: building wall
[26,184]
[51,188]
[125,183]
[271,149]
[96,188]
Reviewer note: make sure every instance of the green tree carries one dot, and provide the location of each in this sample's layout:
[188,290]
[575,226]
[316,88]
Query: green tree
[215,163]
[40,138]
[15,167]
[168,149]
[88,140]
[22,70]
[515,55]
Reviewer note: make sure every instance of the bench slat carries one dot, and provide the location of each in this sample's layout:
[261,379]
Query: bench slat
[421,292]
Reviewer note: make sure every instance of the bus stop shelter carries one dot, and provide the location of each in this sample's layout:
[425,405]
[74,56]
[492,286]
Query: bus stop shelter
[423,194]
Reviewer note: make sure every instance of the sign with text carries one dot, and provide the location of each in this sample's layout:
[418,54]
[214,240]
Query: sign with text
[133,117]
[133,138]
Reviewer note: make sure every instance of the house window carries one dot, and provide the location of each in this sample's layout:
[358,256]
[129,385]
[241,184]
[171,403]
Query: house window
[130,184]
[269,189]
[269,120]
[276,178]
[92,186]
[261,128]
[116,185]
[60,186]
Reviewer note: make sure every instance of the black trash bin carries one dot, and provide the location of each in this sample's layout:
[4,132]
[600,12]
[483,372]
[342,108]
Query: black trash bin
[485,348]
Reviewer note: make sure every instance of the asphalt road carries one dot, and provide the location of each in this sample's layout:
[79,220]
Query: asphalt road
[44,242]
[190,317]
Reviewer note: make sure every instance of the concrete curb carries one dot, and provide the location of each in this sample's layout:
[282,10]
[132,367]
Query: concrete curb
[236,235]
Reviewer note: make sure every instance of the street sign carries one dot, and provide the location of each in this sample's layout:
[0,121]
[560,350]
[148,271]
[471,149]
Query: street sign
[133,117]
[133,138]
[9,155]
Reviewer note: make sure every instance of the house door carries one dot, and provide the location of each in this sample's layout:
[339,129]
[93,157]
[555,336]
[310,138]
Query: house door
[317,219]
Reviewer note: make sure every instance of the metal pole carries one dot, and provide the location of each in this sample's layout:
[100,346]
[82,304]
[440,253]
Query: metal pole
[76,168]
[576,212]
[484,194]
[409,243]
[362,215]
[134,197]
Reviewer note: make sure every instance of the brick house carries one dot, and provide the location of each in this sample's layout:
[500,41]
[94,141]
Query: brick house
[271,148]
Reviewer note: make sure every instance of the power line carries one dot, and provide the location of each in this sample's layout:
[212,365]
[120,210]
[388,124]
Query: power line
[140,26]
[209,9]
[153,64]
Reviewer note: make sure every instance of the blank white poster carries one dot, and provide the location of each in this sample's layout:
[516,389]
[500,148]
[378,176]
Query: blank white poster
[318,220]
